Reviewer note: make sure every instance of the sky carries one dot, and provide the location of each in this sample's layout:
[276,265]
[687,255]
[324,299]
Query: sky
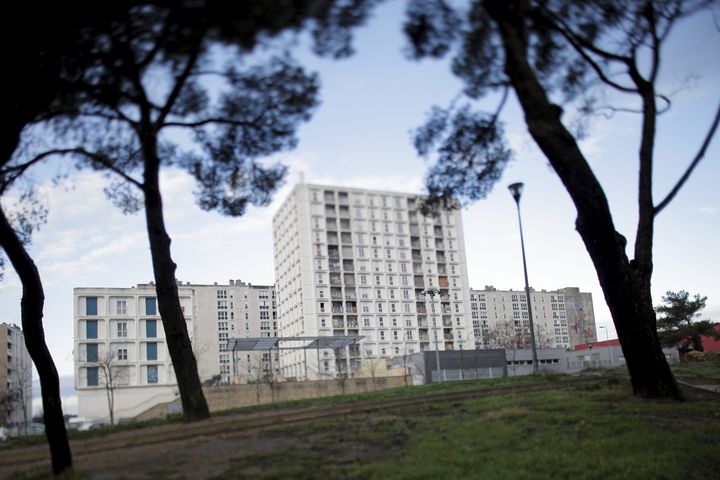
[361,136]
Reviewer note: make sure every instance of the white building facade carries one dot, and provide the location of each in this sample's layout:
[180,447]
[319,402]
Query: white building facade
[120,341]
[15,377]
[562,318]
[355,262]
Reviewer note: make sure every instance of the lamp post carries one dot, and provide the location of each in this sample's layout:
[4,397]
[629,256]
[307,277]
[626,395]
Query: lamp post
[432,292]
[607,342]
[516,191]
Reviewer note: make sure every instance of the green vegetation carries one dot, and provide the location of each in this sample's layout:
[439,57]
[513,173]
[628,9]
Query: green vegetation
[704,371]
[592,431]
[394,393]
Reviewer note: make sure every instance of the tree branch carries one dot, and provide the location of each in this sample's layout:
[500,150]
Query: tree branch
[102,160]
[180,83]
[15,171]
[207,121]
[580,47]
[699,156]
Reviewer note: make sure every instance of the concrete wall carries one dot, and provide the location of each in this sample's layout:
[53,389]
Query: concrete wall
[233,396]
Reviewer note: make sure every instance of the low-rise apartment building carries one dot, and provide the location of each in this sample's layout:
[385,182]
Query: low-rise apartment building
[120,341]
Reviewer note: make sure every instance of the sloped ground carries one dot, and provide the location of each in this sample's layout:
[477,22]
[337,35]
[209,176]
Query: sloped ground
[590,430]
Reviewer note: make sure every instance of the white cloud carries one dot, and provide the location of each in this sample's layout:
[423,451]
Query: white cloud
[707,210]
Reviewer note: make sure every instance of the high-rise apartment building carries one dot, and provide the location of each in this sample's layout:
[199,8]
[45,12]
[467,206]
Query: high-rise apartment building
[119,338]
[15,377]
[562,318]
[354,262]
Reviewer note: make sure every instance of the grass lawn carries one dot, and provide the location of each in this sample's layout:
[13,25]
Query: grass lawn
[393,393]
[595,431]
[707,372]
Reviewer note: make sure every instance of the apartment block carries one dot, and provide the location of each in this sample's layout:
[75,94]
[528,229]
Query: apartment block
[355,262]
[562,318]
[119,340]
[15,377]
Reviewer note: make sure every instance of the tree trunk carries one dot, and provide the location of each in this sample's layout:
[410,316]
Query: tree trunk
[32,303]
[627,291]
[178,341]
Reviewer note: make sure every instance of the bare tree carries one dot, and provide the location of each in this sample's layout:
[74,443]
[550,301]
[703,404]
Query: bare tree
[515,335]
[20,391]
[114,374]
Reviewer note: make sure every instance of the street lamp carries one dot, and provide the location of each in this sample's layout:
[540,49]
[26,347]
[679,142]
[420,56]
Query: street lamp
[432,292]
[607,342]
[516,190]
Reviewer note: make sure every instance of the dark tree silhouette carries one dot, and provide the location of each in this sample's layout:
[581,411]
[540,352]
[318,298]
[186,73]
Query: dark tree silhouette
[678,320]
[167,66]
[42,38]
[551,52]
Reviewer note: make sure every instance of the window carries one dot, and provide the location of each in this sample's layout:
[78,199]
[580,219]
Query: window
[152,351]
[366,322]
[92,352]
[122,329]
[121,307]
[91,306]
[92,377]
[150,306]
[152,374]
[122,354]
[91,329]
[151,328]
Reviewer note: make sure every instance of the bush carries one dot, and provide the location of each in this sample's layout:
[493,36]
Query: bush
[713,357]
[696,356]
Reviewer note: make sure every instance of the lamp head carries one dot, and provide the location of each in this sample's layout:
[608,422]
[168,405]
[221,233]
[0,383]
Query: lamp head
[516,190]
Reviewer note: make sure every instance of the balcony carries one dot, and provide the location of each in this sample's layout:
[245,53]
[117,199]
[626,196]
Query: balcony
[344,224]
[447,322]
[351,307]
[421,308]
[349,280]
[330,224]
[335,279]
[348,266]
[334,266]
[437,230]
[338,322]
[345,238]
